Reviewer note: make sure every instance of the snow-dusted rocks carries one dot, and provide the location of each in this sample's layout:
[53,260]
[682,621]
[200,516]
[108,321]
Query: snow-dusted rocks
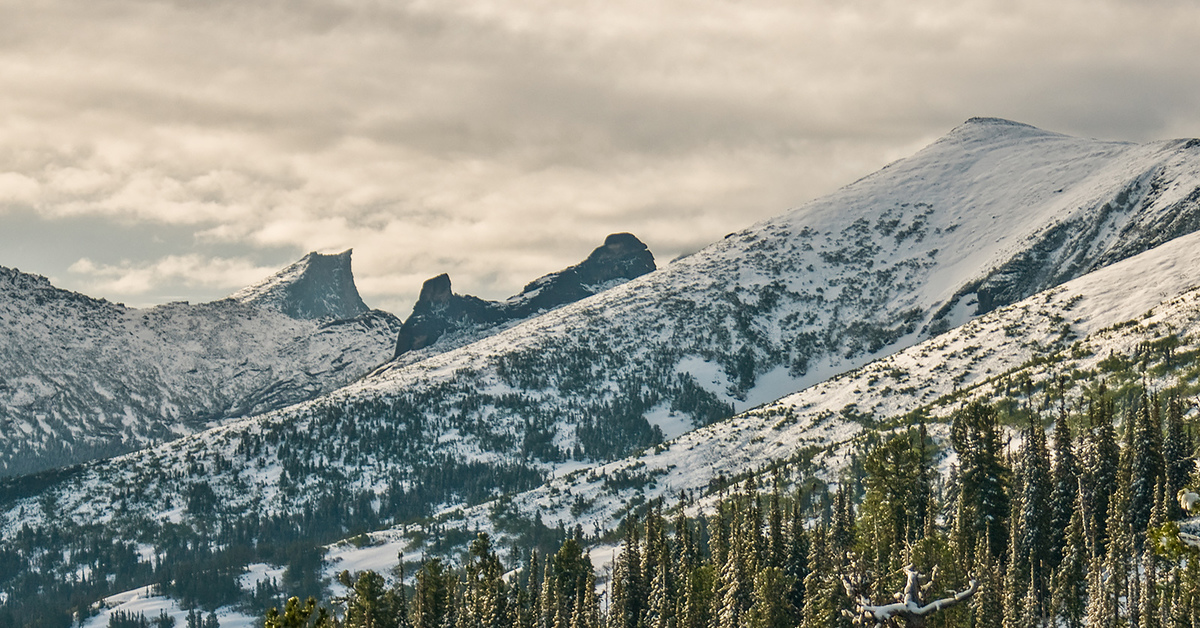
[314,288]
[439,311]
[82,378]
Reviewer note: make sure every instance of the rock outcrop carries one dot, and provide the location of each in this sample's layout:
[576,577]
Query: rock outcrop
[438,310]
[318,286]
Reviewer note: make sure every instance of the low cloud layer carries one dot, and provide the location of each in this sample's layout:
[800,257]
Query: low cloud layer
[498,141]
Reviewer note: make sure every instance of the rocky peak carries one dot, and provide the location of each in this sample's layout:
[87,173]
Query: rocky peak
[315,287]
[436,291]
[438,310]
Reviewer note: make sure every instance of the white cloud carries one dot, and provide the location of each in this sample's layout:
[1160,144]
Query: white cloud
[17,189]
[130,278]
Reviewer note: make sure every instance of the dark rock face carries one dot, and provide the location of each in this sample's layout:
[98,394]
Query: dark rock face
[438,310]
[316,287]
[622,257]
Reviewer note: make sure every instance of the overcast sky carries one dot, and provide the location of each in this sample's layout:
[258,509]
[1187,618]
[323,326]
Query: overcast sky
[155,150]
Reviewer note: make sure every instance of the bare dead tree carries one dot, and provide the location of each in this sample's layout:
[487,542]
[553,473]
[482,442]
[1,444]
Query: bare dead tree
[909,605]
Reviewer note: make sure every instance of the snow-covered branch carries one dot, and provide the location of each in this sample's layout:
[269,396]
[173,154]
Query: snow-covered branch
[910,605]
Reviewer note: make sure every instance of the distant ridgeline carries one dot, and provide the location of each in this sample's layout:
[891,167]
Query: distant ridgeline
[438,310]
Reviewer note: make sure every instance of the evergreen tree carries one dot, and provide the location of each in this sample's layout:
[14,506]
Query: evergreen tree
[983,476]
[735,584]
[1070,577]
[771,608]
[1102,458]
[1065,500]
[370,604]
[432,595]
[1177,456]
[819,610]
[310,615]
[987,607]
[777,550]
[1142,465]
[628,592]
[796,564]
[1032,521]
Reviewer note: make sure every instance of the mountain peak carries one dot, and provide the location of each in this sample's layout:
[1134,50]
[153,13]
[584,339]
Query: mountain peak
[986,130]
[622,257]
[317,286]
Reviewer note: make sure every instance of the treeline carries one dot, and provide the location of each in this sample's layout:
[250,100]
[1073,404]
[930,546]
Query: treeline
[1073,532]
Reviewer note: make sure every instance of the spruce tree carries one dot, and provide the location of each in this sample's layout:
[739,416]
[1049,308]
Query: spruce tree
[1064,502]
[771,608]
[1177,456]
[628,593]
[1101,466]
[983,476]
[432,595]
[987,607]
[1070,577]
[1032,521]
[1142,461]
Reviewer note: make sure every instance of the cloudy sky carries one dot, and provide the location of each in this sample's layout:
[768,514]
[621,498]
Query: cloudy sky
[160,150]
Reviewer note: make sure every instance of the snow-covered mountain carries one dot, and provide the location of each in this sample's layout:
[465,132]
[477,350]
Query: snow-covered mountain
[990,214]
[83,378]
[1141,310]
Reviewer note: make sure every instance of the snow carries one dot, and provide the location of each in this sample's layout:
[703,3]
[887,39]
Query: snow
[672,424]
[143,601]
[260,572]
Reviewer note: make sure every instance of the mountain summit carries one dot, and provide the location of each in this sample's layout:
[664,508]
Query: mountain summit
[318,286]
[438,310]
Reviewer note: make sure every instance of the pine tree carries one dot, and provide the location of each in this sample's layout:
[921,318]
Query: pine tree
[1070,577]
[1177,456]
[296,616]
[628,592]
[1031,522]
[432,595]
[1102,598]
[1065,500]
[1102,458]
[987,607]
[734,584]
[983,476]
[819,610]
[776,542]
[1142,461]
[370,603]
[796,564]
[771,608]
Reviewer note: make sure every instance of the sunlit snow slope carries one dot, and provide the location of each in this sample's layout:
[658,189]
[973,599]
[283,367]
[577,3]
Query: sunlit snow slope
[1118,310]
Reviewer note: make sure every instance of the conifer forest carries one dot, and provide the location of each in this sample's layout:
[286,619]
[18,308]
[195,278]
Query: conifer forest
[1026,530]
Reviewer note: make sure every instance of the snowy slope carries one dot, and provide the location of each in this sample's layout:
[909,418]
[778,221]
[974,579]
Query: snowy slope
[992,213]
[1117,310]
[83,378]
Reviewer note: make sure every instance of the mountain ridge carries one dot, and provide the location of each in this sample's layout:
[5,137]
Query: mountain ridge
[439,310]
[84,378]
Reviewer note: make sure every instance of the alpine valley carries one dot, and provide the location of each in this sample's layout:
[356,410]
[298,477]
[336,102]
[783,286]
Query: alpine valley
[232,454]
